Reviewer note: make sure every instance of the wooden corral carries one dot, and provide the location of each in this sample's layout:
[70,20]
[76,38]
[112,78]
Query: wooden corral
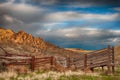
[88,61]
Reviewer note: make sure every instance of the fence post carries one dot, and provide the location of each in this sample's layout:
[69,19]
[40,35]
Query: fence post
[52,62]
[113,65]
[68,62]
[85,61]
[109,60]
[33,63]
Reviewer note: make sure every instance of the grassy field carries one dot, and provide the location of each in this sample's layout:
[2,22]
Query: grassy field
[52,75]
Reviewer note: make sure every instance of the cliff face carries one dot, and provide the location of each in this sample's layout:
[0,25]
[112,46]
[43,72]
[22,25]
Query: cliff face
[5,34]
[21,38]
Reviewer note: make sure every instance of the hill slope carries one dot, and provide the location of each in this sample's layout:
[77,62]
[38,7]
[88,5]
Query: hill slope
[23,43]
[78,50]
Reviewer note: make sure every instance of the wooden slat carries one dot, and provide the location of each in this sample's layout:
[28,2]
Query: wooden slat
[97,54]
[79,59]
[43,58]
[38,61]
[17,63]
[98,62]
[98,58]
[97,65]
[43,62]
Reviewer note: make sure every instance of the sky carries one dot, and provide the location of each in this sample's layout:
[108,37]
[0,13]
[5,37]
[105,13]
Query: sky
[85,24]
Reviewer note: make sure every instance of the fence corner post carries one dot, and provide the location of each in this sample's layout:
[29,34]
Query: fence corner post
[109,60]
[68,62]
[85,62]
[113,63]
[33,63]
[52,62]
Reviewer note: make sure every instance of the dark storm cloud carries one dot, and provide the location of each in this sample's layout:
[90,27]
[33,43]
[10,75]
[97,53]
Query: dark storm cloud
[26,13]
[2,1]
[3,11]
[18,16]
[79,2]
[91,1]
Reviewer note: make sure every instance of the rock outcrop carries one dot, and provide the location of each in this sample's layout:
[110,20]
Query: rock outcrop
[21,38]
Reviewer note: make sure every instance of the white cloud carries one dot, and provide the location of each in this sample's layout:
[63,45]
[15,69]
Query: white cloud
[67,32]
[70,15]
[21,7]
[71,35]
[8,18]
[25,8]
[11,20]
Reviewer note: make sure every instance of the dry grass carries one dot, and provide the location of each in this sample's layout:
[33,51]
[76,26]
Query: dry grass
[53,75]
[41,75]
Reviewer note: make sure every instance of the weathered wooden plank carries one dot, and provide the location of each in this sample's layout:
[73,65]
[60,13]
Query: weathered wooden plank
[98,59]
[97,54]
[18,63]
[79,59]
[77,63]
[43,62]
[97,65]
[16,57]
[43,58]
[91,63]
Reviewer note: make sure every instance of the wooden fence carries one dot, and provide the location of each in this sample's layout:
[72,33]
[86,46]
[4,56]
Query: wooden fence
[99,58]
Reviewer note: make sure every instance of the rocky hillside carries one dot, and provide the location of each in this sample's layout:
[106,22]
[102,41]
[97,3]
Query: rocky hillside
[23,43]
